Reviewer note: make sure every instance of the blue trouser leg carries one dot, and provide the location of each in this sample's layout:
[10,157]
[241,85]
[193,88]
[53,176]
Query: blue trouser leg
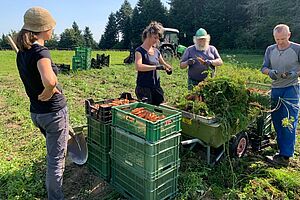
[286,136]
[55,127]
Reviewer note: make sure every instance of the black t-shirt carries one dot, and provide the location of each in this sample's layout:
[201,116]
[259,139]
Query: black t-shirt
[149,79]
[31,78]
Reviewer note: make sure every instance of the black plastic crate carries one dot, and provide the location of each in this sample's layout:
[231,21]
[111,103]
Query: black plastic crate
[104,113]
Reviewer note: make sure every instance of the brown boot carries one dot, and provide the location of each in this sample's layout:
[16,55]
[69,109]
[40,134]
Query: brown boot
[278,160]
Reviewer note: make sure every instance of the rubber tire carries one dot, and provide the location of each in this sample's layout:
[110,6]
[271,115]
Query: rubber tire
[167,53]
[238,145]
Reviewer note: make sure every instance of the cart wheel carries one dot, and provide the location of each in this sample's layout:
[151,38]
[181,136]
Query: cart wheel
[239,144]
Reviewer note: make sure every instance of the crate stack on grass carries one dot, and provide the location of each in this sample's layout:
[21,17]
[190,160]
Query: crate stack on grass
[82,58]
[145,154]
[99,117]
[98,139]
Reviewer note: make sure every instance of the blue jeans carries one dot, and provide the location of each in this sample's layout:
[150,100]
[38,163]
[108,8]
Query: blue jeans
[286,136]
[55,127]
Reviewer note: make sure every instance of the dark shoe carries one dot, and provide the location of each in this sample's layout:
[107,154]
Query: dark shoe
[278,160]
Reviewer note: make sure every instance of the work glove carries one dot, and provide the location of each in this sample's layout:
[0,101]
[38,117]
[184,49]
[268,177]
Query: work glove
[292,75]
[169,72]
[273,74]
[160,67]
[190,61]
[208,62]
[284,75]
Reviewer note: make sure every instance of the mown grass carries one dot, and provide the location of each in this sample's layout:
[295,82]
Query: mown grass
[22,147]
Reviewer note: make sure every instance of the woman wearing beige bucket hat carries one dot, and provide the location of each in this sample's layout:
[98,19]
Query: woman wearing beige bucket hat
[48,105]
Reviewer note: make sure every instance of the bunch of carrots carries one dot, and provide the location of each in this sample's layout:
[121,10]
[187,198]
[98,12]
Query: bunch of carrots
[146,114]
[115,102]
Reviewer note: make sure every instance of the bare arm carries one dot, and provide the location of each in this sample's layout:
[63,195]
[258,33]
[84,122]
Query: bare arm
[49,79]
[184,64]
[217,62]
[139,66]
[163,62]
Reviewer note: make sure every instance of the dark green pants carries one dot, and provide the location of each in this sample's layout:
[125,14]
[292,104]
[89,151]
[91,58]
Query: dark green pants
[192,83]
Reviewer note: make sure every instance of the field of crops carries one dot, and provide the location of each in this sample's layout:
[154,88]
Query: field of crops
[22,147]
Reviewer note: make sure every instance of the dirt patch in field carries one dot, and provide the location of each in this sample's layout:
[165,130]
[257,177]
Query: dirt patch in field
[2,104]
[81,183]
[12,123]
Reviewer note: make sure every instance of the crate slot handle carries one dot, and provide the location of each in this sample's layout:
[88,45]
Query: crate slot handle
[158,110]
[167,167]
[128,163]
[131,119]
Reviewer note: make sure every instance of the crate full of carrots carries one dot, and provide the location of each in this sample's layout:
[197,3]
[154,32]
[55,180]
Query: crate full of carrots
[147,121]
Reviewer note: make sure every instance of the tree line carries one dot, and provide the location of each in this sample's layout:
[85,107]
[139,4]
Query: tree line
[232,24]
[69,39]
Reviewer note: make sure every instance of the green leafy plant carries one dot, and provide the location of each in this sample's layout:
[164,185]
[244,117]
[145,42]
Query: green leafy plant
[288,122]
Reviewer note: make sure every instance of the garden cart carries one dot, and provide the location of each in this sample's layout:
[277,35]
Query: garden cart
[209,133]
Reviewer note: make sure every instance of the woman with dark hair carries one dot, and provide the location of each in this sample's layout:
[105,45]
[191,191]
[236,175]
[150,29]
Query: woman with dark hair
[148,60]
[48,105]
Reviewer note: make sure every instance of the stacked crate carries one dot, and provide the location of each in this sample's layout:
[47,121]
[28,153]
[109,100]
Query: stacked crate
[145,155]
[99,134]
[98,140]
[82,58]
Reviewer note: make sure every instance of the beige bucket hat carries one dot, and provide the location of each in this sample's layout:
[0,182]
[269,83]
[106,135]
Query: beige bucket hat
[37,19]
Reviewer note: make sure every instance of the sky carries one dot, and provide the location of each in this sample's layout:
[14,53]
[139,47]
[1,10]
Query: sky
[91,13]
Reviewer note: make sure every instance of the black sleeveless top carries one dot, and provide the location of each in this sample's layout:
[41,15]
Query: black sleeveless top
[149,79]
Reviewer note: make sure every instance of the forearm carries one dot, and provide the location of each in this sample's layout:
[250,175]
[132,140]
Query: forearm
[184,65]
[217,62]
[144,67]
[50,85]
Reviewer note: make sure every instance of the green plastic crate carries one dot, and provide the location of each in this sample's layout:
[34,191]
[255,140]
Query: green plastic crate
[82,49]
[143,156]
[77,59]
[77,63]
[99,133]
[87,64]
[151,131]
[82,58]
[139,187]
[99,161]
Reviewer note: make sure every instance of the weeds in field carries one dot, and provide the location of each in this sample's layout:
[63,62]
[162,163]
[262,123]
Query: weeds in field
[22,147]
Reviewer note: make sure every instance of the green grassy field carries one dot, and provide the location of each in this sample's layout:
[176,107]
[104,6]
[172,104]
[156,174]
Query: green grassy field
[22,147]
